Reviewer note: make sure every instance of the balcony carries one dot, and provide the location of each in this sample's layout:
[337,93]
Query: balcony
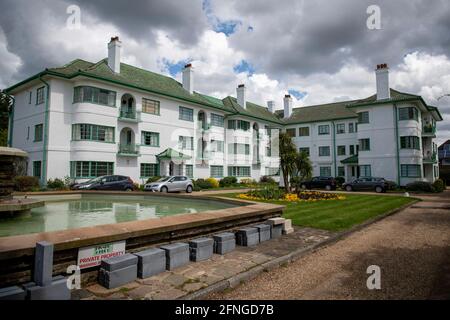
[430,158]
[129,116]
[429,130]
[128,150]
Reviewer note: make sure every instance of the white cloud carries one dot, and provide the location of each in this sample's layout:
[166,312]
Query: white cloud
[9,62]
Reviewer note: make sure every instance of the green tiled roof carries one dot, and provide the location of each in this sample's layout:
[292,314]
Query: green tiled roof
[140,79]
[396,96]
[343,110]
[153,82]
[323,112]
[169,153]
[252,110]
[351,160]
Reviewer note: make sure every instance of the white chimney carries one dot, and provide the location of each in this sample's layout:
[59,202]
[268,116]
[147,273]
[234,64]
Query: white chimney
[287,106]
[241,99]
[114,54]
[271,106]
[188,78]
[382,74]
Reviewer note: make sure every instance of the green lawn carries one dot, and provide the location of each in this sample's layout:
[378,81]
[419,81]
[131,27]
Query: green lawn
[338,215]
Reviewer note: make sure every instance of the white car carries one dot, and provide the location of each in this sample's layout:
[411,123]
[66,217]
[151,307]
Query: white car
[171,184]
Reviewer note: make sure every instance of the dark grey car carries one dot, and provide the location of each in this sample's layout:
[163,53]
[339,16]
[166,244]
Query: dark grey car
[367,184]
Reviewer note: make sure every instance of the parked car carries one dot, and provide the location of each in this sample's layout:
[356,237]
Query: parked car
[328,183]
[367,184]
[118,183]
[170,184]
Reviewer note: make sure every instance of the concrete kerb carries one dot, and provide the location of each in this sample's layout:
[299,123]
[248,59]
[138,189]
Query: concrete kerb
[237,279]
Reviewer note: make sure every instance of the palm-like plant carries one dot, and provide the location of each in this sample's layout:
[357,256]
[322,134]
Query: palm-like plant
[303,166]
[288,156]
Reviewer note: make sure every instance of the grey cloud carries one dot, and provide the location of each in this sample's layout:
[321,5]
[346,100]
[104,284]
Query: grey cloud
[311,36]
[183,20]
[25,25]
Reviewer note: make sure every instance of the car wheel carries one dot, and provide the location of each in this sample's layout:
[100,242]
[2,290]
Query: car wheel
[189,189]
[128,189]
[348,188]
[303,186]
[378,189]
[328,187]
[164,190]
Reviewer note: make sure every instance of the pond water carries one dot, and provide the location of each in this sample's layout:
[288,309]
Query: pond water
[100,210]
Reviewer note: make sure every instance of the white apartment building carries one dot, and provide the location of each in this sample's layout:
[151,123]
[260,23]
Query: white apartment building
[389,135]
[89,119]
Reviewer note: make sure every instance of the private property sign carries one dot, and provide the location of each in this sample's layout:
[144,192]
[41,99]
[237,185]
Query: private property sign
[92,256]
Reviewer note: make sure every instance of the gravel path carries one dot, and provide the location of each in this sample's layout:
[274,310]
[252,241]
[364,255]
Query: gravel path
[412,248]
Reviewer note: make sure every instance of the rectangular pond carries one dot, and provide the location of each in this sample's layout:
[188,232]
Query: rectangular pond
[94,210]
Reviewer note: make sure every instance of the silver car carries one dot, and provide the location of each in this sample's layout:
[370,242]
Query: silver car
[170,184]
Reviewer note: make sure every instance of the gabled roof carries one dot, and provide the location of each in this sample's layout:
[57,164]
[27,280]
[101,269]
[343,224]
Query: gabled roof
[322,112]
[253,110]
[351,160]
[396,96]
[141,79]
[343,109]
[170,154]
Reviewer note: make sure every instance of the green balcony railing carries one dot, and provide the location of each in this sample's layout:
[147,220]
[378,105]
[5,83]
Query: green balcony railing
[130,116]
[429,129]
[128,149]
[430,158]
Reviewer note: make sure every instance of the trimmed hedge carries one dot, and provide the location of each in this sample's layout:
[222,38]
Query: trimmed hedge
[421,186]
[439,185]
[56,184]
[227,181]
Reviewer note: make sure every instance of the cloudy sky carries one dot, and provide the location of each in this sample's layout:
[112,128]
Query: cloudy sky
[319,51]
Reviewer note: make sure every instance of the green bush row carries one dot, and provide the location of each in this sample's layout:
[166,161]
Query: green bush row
[422,186]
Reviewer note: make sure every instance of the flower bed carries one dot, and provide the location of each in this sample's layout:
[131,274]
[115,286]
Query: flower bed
[303,196]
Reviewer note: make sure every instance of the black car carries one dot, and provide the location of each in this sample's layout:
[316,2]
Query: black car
[328,183]
[118,183]
[367,184]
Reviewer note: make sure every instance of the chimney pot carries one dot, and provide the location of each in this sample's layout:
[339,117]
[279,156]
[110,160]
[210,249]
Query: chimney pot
[188,78]
[241,96]
[114,48]
[382,79]
[287,106]
[271,106]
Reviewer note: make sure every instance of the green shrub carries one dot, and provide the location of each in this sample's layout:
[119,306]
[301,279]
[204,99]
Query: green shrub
[26,183]
[203,184]
[296,182]
[267,193]
[153,179]
[339,181]
[56,184]
[420,186]
[228,181]
[439,185]
[213,182]
[267,179]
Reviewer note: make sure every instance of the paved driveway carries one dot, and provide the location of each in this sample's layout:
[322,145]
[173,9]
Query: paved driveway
[412,249]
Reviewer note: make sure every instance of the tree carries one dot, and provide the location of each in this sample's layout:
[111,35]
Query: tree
[5,105]
[303,166]
[288,156]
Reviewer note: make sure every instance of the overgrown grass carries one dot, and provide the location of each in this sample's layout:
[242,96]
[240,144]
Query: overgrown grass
[338,215]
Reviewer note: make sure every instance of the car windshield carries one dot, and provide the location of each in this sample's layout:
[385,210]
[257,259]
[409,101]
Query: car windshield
[163,179]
